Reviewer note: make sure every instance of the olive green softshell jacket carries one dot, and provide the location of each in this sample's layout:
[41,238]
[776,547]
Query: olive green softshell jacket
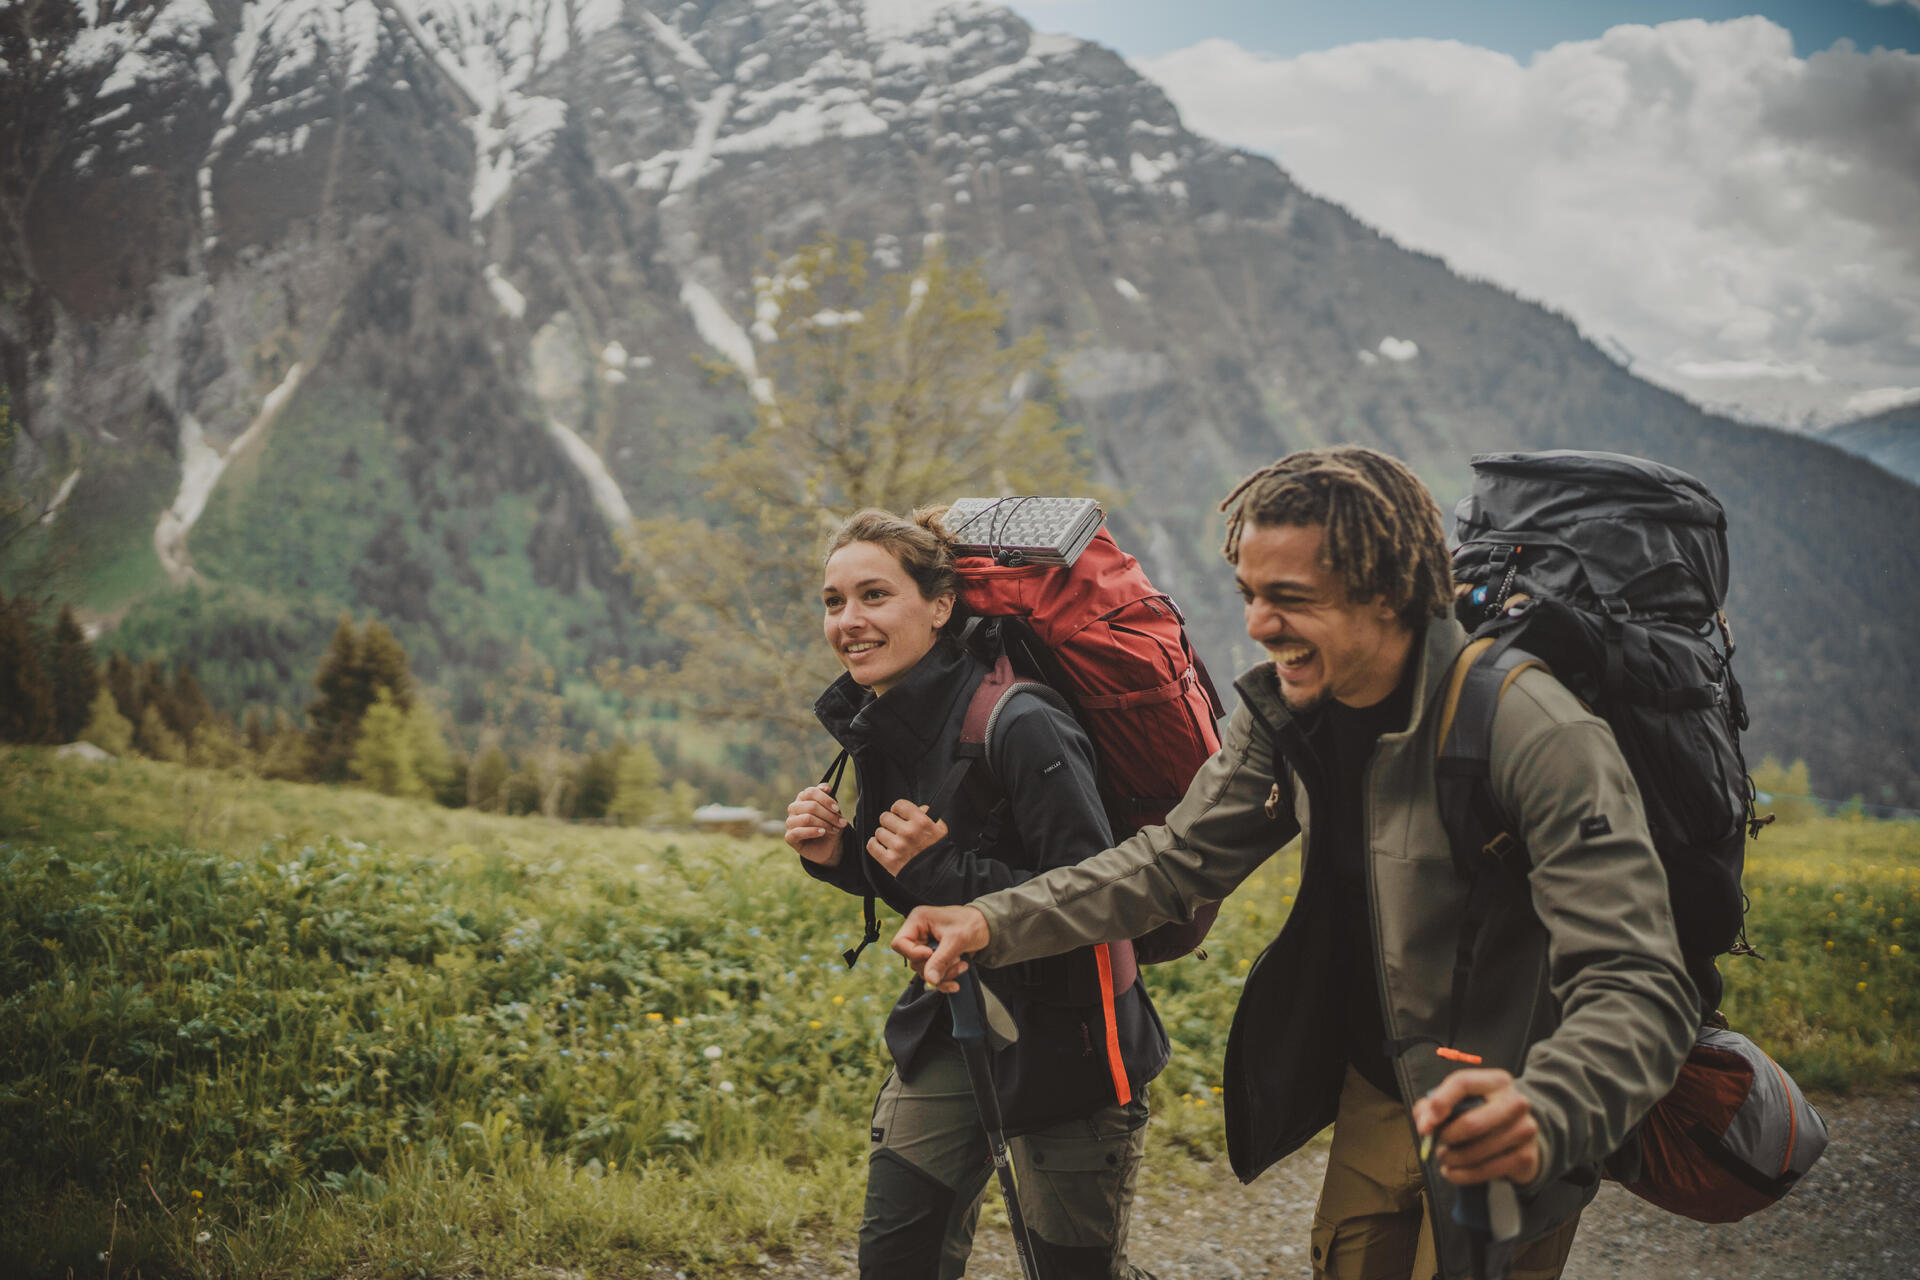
[1576,982]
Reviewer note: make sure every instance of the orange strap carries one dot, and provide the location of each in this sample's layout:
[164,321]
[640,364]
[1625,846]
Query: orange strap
[1122,1091]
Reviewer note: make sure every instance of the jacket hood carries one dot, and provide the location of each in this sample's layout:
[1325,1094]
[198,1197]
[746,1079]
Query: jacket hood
[910,717]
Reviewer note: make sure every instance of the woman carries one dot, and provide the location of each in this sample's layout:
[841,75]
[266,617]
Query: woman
[890,594]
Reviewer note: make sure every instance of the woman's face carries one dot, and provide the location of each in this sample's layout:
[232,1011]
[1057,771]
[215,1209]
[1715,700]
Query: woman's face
[877,622]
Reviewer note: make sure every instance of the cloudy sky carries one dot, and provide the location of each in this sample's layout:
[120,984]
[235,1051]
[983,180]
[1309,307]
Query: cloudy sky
[1727,193]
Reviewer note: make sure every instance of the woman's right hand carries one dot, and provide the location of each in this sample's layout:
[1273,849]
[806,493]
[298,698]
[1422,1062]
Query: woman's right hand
[815,826]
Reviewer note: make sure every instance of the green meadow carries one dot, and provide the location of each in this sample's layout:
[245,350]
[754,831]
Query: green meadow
[267,1029]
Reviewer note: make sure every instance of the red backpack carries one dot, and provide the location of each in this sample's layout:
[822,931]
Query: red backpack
[1097,636]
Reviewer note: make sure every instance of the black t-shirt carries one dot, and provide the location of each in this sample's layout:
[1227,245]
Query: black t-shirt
[1343,738]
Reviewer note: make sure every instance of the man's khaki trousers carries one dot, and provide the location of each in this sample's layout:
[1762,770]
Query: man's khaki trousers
[1372,1221]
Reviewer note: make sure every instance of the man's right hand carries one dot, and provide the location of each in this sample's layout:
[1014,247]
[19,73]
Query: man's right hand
[815,826]
[937,940]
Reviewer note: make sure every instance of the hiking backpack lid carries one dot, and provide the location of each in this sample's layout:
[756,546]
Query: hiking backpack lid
[1605,532]
[1732,1136]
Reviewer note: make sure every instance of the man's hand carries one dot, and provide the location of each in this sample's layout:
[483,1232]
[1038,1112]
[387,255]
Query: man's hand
[815,825]
[1498,1140]
[905,832]
[937,940]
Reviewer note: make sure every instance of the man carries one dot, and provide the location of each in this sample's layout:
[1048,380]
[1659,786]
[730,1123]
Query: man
[1360,1013]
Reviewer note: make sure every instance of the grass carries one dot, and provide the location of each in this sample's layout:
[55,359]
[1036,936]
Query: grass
[264,1029]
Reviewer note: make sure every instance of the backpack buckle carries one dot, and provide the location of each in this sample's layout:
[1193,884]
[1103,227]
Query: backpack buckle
[1501,846]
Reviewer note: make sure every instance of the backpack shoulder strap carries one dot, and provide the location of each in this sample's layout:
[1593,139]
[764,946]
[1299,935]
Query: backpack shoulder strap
[1477,832]
[1481,676]
[989,699]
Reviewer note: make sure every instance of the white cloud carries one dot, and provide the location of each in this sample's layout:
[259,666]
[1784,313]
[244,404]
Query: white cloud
[1693,190]
[1879,400]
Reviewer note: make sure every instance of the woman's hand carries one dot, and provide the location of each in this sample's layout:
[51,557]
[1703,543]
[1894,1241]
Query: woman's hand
[905,832]
[815,826]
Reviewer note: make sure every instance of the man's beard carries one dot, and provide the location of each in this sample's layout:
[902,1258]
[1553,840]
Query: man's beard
[1307,705]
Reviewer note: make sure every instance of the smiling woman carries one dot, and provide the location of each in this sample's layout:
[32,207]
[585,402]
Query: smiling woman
[889,604]
[881,616]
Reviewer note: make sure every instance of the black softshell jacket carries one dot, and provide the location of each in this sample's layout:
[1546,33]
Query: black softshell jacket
[1036,807]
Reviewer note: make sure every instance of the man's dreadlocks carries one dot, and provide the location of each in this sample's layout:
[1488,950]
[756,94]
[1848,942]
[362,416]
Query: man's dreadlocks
[1384,537]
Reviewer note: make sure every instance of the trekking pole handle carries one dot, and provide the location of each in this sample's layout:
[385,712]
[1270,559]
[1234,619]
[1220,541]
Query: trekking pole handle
[969,1027]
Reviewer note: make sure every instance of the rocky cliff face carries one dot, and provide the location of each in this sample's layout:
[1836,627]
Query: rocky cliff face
[352,305]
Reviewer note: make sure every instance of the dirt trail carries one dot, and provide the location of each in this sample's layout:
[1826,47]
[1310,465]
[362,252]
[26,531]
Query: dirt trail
[1857,1215]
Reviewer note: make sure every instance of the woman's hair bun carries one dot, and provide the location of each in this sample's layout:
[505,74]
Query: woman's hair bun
[934,520]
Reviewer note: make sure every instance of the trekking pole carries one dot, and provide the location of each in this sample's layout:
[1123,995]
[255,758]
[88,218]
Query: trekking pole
[977,1019]
[1490,1211]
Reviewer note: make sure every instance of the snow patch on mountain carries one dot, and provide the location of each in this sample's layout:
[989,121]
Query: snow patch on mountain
[694,161]
[681,47]
[201,466]
[60,497]
[512,301]
[607,498]
[717,328]
[837,113]
[892,19]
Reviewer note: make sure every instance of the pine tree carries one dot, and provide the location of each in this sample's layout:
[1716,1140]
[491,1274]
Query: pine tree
[156,694]
[285,755]
[432,763]
[334,716]
[895,394]
[487,781]
[75,678]
[106,728]
[595,782]
[353,671]
[385,663]
[637,794]
[216,744]
[253,729]
[157,740]
[190,708]
[382,752]
[124,680]
[26,695]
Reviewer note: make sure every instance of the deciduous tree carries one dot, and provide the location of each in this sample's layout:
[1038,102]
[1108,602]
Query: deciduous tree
[106,728]
[895,393]
[383,749]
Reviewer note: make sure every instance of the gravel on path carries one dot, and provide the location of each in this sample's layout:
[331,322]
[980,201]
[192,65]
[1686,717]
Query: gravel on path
[1856,1215]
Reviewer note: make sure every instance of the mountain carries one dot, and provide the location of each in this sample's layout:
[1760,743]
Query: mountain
[324,305]
[1890,438]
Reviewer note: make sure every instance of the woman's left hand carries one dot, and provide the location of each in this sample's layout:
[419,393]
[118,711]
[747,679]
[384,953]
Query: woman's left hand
[905,832]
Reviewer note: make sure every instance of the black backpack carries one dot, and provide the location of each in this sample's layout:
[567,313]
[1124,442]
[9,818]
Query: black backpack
[1610,571]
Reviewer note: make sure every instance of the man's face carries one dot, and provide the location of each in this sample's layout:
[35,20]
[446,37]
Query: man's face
[1323,645]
